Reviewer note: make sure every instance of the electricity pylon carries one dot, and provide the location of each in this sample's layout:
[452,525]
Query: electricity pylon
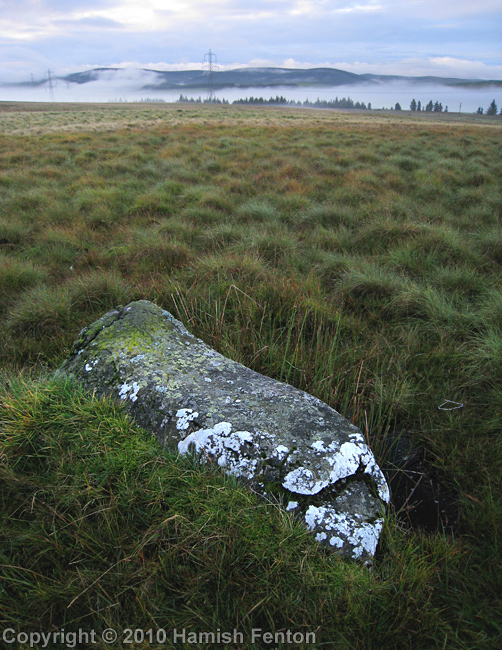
[209,59]
[51,84]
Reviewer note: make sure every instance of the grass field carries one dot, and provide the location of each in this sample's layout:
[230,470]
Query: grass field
[355,255]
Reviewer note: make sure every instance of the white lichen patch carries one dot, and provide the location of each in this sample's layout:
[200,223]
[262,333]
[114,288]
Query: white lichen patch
[339,528]
[301,481]
[129,391]
[281,452]
[344,462]
[360,454]
[90,366]
[377,475]
[228,448]
[137,358]
[206,379]
[184,417]
[292,505]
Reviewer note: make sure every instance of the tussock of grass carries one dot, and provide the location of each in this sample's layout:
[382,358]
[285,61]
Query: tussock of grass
[413,262]
[331,267]
[41,312]
[206,196]
[246,269]
[379,235]
[200,215]
[148,254]
[325,215]
[256,210]
[368,287]
[96,291]
[16,276]
[489,354]
[273,245]
[14,234]
[162,200]
[489,245]
[222,236]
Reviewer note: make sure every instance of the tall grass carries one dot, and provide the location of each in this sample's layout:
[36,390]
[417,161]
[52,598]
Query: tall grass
[354,256]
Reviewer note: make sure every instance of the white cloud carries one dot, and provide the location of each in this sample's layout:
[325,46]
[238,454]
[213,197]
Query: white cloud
[368,8]
[451,37]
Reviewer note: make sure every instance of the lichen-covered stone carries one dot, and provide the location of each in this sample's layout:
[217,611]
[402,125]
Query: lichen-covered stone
[284,441]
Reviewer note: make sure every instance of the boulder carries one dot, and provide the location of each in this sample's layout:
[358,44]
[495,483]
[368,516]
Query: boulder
[284,442]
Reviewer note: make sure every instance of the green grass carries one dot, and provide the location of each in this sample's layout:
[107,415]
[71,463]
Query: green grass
[100,525]
[357,257]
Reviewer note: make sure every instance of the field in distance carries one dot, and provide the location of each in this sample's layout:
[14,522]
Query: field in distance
[49,117]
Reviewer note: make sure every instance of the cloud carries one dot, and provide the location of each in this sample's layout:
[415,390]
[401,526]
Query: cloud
[88,22]
[446,35]
[372,7]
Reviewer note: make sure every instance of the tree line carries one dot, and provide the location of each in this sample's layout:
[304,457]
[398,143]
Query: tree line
[491,110]
[431,107]
[437,107]
[279,100]
[344,102]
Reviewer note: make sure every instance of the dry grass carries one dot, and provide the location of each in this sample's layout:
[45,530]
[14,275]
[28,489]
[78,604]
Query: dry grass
[18,118]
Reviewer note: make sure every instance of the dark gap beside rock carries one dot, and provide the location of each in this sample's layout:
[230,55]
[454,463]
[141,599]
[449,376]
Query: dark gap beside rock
[418,496]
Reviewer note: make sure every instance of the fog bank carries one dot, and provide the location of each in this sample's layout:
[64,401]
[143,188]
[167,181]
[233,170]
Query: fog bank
[127,85]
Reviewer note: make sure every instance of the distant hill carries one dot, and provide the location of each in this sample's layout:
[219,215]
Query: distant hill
[266,77]
[256,78]
[189,80]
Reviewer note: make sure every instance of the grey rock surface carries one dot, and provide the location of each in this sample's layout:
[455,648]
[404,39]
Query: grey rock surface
[281,440]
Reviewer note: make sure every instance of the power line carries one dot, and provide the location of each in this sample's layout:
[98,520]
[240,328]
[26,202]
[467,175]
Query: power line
[209,59]
[50,77]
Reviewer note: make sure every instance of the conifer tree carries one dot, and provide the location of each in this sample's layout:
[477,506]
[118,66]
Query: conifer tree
[492,109]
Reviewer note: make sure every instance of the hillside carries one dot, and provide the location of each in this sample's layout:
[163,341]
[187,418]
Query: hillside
[263,77]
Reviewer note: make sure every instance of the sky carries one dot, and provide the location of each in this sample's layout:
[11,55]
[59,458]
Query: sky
[460,38]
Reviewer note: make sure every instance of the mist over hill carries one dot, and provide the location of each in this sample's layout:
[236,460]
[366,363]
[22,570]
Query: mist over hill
[262,78]
[105,84]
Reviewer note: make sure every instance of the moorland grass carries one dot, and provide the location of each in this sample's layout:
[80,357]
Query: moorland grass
[356,256]
[100,525]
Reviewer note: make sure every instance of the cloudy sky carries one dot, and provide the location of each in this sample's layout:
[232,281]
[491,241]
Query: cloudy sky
[410,37]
